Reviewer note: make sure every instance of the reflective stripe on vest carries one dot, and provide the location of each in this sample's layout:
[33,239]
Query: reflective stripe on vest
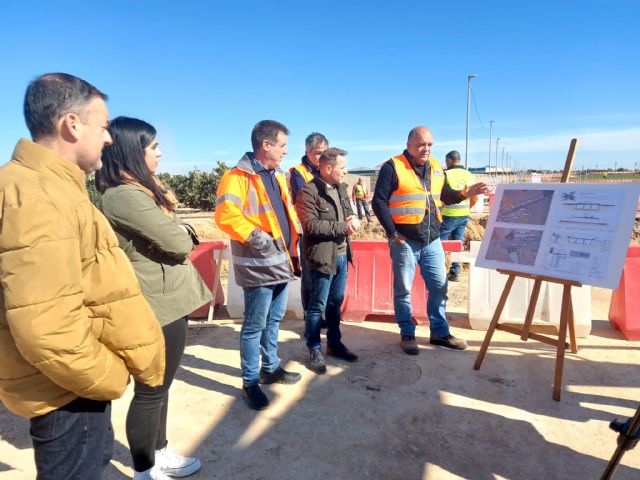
[252,209]
[260,262]
[457,179]
[250,197]
[408,203]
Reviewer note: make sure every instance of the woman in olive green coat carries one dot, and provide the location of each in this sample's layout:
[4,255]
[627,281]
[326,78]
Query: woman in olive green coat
[141,211]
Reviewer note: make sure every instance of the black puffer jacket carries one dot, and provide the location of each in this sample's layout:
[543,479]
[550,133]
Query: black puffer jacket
[322,232]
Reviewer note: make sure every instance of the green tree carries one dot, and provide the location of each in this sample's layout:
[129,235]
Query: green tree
[196,189]
[94,194]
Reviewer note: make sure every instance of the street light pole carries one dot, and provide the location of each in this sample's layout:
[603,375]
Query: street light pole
[497,143]
[506,163]
[466,144]
[490,139]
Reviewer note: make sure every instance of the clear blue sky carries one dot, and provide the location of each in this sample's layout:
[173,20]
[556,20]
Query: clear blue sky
[363,73]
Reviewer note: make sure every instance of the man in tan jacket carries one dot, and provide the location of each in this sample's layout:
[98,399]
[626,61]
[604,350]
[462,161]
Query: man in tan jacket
[73,323]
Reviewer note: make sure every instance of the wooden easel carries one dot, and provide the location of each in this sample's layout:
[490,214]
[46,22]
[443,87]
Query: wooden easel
[566,312]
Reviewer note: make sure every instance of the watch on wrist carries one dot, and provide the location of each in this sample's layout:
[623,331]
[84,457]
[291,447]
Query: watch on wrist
[394,236]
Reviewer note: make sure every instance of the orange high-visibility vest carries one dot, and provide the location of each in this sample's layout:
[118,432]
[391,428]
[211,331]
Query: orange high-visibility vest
[408,203]
[242,205]
[304,171]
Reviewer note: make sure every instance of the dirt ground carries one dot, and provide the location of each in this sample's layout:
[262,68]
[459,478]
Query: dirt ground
[391,416]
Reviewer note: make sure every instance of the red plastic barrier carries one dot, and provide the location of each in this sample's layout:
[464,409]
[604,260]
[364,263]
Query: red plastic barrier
[370,283]
[624,312]
[203,258]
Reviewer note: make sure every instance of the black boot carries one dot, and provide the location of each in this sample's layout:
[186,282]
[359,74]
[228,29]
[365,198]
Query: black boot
[255,398]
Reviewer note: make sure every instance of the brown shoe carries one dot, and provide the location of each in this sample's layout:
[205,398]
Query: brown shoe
[409,345]
[449,342]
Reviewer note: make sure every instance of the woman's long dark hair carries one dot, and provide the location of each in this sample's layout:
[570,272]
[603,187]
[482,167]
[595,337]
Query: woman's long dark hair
[126,155]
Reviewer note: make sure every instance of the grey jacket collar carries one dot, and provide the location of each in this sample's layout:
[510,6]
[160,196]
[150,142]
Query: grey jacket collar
[245,164]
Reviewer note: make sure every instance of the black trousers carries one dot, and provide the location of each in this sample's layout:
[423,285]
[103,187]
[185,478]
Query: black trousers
[147,416]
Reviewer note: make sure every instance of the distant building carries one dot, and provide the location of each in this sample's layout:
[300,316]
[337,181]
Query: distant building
[486,170]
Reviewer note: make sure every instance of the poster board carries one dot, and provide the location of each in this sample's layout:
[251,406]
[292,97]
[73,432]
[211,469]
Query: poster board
[570,231]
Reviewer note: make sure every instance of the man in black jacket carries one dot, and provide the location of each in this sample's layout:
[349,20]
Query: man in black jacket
[410,191]
[327,219]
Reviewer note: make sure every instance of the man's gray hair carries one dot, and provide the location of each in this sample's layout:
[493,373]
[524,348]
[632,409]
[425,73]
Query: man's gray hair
[314,139]
[330,156]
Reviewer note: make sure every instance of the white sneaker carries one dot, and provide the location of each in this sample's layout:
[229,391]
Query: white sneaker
[152,474]
[173,465]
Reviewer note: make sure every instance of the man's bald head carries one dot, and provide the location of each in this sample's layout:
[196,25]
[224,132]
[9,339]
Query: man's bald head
[420,130]
[419,144]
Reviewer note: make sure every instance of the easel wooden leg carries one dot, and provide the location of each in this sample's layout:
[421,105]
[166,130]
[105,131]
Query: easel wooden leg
[572,328]
[531,309]
[562,337]
[494,322]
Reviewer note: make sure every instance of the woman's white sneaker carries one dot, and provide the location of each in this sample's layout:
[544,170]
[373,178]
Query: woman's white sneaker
[173,465]
[151,474]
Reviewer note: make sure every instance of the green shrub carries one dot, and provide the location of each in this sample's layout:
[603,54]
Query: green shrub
[196,189]
[94,194]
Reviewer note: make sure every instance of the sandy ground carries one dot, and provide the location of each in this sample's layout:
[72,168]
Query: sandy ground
[391,416]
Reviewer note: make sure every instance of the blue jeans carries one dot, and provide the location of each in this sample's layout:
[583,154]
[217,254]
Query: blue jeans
[327,293]
[74,442]
[362,204]
[404,259]
[264,307]
[453,227]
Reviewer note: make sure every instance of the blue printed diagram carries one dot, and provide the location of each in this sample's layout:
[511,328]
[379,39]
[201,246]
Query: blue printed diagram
[574,261]
[581,233]
[587,213]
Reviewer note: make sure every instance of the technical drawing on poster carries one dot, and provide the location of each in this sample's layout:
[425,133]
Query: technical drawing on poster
[591,210]
[584,226]
[529,207]
[577,232]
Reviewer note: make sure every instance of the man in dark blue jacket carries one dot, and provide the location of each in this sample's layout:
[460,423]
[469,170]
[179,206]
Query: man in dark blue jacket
[303,173]
[409,193]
